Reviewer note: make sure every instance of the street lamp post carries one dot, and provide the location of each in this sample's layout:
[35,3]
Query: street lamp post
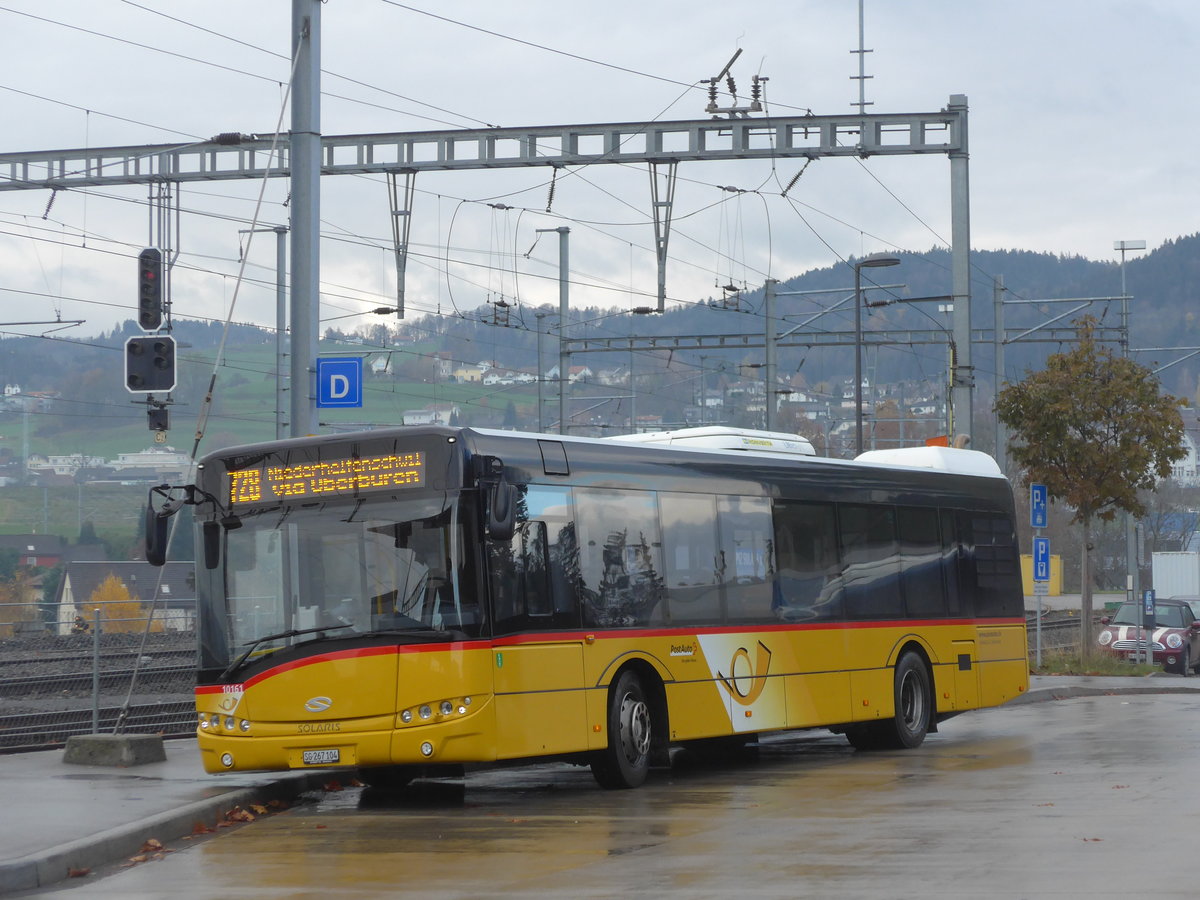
[539,317]
[875,260]
[1131,566]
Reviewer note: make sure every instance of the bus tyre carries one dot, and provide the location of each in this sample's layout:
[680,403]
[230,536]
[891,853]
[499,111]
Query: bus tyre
[913,693]
[625,762]
[908,727]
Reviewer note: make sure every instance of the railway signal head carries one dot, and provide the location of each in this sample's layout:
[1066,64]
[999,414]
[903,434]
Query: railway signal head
[150,289]
[150,364]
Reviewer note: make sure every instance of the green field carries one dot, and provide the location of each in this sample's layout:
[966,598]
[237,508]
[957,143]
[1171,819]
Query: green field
[114,510]
[243,409]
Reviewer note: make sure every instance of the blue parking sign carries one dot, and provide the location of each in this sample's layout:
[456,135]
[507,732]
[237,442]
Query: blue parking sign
[1041,559]
[339,381]
[1039,502]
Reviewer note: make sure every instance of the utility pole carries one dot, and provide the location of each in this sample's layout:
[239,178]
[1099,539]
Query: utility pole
[770,347]
[540,375]
[305,158]
[281,335]
[962,376]
[564,293]
[1132,576]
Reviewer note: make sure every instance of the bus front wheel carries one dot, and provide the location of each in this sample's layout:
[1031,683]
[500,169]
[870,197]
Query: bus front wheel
[910,723]
[625,762]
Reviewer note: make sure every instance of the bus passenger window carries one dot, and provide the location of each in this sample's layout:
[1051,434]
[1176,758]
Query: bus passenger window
[921,561]
[532,569]
[997,569]
[872,561]
[620,557]
[689,524]
[746,563]
[952,555]
[533,576]
[806,583]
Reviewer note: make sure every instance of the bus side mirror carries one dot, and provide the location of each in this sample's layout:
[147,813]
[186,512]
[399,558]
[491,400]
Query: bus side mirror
[156,534]
[210,533]
[501,511]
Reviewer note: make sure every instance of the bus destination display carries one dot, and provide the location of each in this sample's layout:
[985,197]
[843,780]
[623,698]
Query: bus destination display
[336,478]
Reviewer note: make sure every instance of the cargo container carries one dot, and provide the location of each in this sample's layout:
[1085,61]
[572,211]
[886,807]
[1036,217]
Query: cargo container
[1175,574]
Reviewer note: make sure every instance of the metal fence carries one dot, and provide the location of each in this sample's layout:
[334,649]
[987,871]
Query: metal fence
[126,678]
[120,677]
[1060,634]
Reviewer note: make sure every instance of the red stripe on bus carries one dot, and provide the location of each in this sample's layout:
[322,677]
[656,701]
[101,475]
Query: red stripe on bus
[542,636]
[560,636]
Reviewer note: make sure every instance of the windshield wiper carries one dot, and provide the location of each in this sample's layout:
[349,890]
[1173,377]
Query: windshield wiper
[253,645]
[423,632]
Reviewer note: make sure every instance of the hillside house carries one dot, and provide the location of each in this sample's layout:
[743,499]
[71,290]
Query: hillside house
[172,588]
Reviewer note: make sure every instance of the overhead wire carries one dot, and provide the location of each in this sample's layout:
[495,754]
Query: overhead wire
[687,87]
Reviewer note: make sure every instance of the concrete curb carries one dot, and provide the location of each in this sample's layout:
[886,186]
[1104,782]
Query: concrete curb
[1067,692]
[122,841]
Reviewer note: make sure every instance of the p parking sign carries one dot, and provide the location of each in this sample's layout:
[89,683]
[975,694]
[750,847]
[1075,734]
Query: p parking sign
[1041,559]
[1039,502]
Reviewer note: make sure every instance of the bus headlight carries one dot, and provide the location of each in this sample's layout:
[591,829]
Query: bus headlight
[425,712]
[446,708]
[406,716]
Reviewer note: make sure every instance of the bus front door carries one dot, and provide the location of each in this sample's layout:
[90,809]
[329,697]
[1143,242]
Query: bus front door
[540,701]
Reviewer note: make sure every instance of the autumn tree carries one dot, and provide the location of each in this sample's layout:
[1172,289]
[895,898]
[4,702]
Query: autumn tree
[1095,429]
[120,611]
[18,610]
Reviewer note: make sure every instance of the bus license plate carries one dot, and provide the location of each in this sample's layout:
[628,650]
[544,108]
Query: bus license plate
[319,757]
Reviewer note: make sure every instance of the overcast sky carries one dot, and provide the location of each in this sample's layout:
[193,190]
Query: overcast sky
[1081,133]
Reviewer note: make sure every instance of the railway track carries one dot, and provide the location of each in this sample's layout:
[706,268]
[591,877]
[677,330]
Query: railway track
[45,730]
[74,682]
[74,660]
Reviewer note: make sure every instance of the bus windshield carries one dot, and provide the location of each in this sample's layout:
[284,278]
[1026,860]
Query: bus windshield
[350,567]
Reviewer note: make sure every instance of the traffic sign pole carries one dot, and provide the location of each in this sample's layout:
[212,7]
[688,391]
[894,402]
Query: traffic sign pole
[1039,515]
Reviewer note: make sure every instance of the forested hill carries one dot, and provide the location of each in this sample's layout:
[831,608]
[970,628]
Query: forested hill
[1163,313]
[87,375]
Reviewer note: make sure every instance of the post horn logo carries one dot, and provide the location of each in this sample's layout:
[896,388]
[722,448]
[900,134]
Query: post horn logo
[747,681]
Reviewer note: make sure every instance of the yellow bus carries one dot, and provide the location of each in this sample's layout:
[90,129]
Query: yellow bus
[410,600]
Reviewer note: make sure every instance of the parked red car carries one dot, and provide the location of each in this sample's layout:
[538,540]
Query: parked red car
[1175,641]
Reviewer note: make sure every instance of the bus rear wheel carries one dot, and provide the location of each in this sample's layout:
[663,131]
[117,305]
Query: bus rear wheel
[910,723]
[625,762]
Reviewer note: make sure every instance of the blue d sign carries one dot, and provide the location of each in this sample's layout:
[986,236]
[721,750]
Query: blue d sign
[339,381]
